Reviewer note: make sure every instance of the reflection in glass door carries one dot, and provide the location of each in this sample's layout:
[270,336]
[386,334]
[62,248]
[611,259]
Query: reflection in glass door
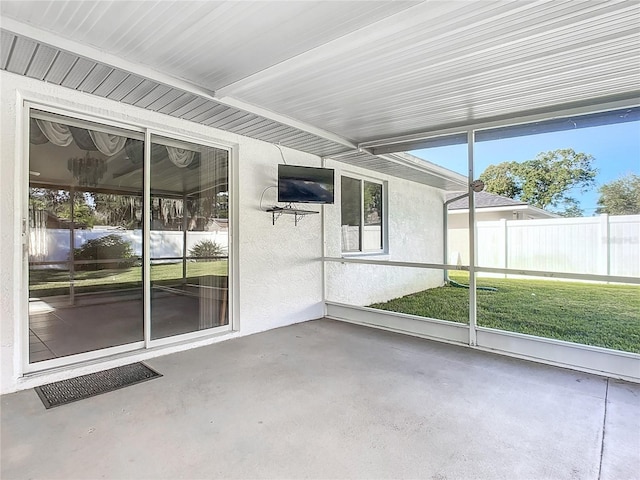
[189,237]
[85,239]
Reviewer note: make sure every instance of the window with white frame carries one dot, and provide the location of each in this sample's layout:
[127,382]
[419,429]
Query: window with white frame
[362,216]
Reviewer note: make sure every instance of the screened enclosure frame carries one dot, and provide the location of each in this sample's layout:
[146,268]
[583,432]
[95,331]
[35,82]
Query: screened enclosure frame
[588,358]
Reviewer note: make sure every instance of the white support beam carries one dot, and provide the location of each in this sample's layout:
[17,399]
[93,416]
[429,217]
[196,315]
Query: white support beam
[288,121]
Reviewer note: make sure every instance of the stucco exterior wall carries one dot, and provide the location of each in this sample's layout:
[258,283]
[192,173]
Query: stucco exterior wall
[279,274]
[414,235]
[278,277]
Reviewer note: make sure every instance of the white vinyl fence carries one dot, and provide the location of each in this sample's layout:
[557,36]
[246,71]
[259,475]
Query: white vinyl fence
[53,245]
[603,245]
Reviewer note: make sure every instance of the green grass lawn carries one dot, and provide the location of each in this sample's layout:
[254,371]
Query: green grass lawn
[592,314]
[51,282]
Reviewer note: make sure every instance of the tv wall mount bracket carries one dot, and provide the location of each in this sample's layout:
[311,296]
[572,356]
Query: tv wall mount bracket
[298,214]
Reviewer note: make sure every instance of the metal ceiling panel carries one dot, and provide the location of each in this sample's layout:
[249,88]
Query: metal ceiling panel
[41,62]
[21,54]
[6,45]
[450,63]
[62,64]
[237,125]
[76,72]
[170,99]
[182,104]
[230,120]
[182,112]
[113,80]
[96,77]
[139,92]
[216,43]
[80,70]
[156,93]
[126,86]
[321,75]
[271,131]
[206,106]
[213,110]
[259,128]
[250,126]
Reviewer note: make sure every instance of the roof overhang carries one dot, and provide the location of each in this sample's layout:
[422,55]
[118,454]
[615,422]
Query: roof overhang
[534,211]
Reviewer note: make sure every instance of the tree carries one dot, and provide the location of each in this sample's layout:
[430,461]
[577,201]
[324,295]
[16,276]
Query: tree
[58,203]
[545,181]
[621,196]
[118,210]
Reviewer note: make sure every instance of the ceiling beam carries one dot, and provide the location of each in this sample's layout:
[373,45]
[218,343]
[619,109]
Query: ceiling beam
[291,122]
[425,139]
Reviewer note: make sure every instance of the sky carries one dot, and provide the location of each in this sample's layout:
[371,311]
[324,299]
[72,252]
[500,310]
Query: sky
[615,148]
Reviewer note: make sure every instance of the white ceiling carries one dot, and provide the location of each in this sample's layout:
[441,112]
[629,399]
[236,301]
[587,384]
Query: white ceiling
[326,77]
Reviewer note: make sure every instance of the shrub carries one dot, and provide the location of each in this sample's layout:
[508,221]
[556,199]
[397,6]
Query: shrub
[205,248]
[110,247]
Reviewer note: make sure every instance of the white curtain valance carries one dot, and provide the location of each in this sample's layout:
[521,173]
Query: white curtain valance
[56,133]
[107,143]
[180,157]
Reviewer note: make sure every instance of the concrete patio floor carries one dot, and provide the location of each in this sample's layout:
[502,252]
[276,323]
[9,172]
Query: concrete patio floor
[325,399]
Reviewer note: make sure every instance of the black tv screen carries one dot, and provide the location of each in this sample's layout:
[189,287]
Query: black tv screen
[305,184]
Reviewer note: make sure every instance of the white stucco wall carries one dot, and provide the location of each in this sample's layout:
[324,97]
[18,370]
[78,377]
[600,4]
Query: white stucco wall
[414,235]
[279,274]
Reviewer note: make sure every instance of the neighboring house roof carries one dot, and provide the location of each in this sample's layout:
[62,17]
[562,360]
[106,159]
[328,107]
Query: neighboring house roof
[495,203]
[482,200]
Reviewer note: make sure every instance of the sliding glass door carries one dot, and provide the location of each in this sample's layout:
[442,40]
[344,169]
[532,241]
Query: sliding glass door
[87,225]
[85,237]
[189,237]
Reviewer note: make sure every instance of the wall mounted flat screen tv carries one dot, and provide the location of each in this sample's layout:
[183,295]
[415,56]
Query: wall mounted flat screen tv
[297,184]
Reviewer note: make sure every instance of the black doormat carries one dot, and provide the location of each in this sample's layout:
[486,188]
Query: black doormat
[78,388]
